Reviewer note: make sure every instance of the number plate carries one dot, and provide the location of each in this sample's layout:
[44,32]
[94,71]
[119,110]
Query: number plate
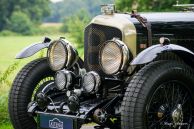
[49,121]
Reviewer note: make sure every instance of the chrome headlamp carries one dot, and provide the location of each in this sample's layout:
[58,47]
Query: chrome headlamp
[64,79]
[61,55]
[114,56]
[91,82]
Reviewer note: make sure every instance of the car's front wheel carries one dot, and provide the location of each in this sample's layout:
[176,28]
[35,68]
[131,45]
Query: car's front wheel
[29,80]
[159,96]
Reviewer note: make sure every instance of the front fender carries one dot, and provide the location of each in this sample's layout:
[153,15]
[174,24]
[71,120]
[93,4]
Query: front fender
[31,50]
[152,52]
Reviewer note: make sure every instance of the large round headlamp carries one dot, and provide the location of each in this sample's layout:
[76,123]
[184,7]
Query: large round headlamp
[61,55]
[114,56]
[64,79]
[91,82]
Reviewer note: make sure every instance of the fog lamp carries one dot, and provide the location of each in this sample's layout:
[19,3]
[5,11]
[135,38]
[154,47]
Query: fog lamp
[64,79]
[91,82]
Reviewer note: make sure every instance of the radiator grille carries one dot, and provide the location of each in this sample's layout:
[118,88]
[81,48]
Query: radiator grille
[94,37]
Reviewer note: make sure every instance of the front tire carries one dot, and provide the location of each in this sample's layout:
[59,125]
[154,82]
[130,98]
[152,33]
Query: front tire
[159,96]
[34,75]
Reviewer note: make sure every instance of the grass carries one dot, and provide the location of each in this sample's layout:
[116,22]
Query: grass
[9,47]
[9,67]
[6,126]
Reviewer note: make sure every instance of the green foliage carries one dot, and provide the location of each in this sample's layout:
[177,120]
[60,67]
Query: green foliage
[8,33]
[6,126]
[41,54]
[4,76]
[20,23]
[50,29]
[4,81]
[75,26]
[148,5]
[4,118]
[67,8]
[36,10]
[4,13]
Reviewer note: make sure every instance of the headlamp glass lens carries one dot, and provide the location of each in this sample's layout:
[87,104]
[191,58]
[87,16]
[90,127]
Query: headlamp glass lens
[88,83]
[57,55]
[91,82]
[111,58]
[60,80]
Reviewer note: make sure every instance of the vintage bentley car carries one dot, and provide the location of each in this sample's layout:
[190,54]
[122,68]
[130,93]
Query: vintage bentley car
[137,73]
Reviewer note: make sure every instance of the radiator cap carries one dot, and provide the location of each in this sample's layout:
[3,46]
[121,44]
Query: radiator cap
[108,9]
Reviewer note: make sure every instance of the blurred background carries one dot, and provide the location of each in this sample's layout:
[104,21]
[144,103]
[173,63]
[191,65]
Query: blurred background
[23,22]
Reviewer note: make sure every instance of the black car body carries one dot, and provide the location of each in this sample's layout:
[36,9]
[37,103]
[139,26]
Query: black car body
[137,73]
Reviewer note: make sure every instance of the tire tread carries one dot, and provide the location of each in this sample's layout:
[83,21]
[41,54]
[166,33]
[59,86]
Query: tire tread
[20,90]
[137,90]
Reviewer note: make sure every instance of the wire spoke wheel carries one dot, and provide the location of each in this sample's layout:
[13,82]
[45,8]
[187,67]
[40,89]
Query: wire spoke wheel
[160,96]
[45,81]
[31,79]
[169,107]
[41,85]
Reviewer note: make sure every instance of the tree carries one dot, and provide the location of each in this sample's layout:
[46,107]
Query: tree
[67,8]
[5,12]
[148,5]
[75,26]
[36,10]
[20,23]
